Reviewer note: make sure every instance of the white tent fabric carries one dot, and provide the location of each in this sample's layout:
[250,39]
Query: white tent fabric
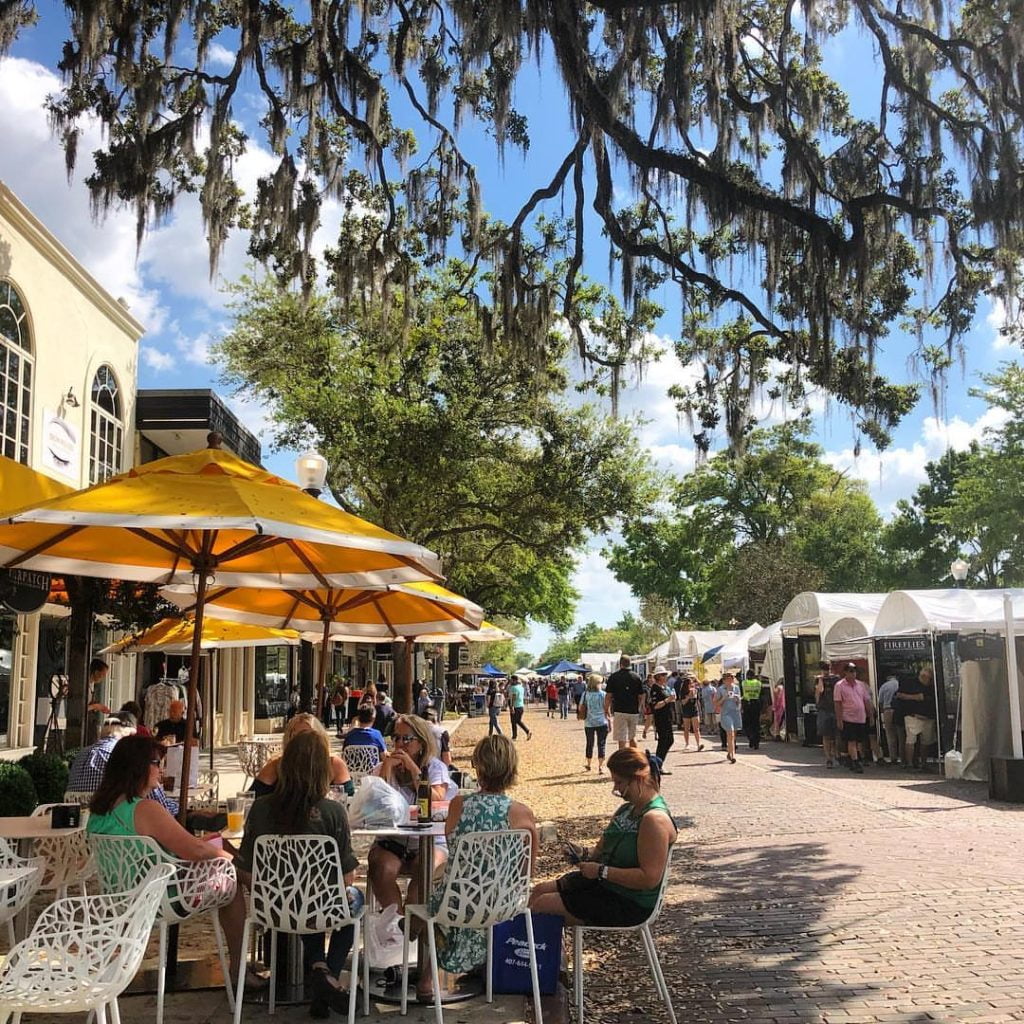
[811,612]
[766,647]
[849,637]
[938,611]
[603,662]
[697,641]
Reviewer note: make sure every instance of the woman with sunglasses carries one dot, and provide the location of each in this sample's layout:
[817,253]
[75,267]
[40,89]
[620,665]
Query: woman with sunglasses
[119,808]
[616,885]
[413,758]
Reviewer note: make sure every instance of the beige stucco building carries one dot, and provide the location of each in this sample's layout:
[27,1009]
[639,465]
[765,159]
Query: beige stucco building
[68,362]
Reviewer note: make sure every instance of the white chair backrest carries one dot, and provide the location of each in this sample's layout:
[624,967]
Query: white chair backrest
[208,784]
[298,885]
[487,879]
[103,939]
[361,760]
[664,884]
[254,754]
[77,796]
[68,857]
[123,862]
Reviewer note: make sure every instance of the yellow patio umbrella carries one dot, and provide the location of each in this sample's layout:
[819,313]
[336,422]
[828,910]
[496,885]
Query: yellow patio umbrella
[203,518]
[21,486]
[176,636]
[487,633]
[399,612]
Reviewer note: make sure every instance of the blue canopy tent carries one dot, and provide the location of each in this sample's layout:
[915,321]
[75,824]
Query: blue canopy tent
[562,666]
[492,671]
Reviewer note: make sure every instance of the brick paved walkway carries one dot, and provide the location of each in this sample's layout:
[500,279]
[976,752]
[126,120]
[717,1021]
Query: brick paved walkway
[803,894]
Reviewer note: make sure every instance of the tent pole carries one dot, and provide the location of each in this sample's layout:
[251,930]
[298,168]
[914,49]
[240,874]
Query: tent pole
[321,683]
[1011,676]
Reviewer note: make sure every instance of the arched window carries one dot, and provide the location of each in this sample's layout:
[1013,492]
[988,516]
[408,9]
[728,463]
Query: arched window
[16,365]
[106,431]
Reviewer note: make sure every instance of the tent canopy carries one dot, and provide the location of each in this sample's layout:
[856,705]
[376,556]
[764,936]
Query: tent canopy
[733,643]
[493,671]
[848,637]
[760,640]
[811,612]
[560,667]
[605,663]
[937,611]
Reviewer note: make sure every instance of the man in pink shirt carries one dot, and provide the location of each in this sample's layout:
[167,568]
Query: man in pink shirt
[853,712]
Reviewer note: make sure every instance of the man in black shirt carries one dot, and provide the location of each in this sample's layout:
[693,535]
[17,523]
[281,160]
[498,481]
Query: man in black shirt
[917,700]
[172,728]
[623,693]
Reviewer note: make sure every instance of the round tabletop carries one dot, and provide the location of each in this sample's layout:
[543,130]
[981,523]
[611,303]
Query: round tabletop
[33,827]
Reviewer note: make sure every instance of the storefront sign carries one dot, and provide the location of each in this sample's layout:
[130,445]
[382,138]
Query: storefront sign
[463,654]
[906,646]
[24,591]
[61,447]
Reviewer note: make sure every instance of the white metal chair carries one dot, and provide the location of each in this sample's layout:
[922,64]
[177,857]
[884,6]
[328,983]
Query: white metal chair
[652,953]
[195,888]
[19,880]
[254,754]
[298,887]
[361,760]
[82,953]
[487,881]
[207,789]
[68,858]
[78,796]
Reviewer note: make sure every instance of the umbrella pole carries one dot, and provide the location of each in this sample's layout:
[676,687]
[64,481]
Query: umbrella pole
[321,684]
[201,570]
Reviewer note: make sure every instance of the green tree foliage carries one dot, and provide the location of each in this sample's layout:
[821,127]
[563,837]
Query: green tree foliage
[748,529]
[630,634]
[446,439]
[737,147]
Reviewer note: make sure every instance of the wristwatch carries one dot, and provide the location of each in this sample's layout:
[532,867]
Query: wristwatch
[602,872]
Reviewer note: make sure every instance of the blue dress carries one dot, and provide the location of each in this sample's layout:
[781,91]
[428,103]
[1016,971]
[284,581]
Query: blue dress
[461,949]
[731,715]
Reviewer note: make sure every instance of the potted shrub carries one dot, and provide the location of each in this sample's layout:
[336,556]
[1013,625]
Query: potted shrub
[49,774]
[17,791]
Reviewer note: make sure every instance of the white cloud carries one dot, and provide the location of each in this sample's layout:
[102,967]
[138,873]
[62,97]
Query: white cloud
[157,359]
[997,320]
[32,164]
[219,56]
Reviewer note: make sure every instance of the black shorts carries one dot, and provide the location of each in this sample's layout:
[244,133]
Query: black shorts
[591,901]
[855,732]
[552,703]
[402,852]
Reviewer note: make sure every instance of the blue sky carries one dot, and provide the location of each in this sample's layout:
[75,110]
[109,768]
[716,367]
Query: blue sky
[168,289]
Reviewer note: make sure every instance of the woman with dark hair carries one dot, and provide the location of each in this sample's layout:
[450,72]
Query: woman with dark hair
[616,884]
[415,757]
[298,806]
[119,808]
[303,722]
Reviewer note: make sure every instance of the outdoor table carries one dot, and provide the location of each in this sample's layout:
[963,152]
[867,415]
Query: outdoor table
[25,830]
[468,988]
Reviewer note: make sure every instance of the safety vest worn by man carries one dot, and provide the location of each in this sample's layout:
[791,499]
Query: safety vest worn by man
[751,689]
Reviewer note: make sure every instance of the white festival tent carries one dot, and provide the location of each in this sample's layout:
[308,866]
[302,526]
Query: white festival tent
[815,613]
[596,661]
[988,714]
[685,645]
[647,662]
[765,647]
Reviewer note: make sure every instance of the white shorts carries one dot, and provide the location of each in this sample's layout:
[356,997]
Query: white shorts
[624,727]
[923,727]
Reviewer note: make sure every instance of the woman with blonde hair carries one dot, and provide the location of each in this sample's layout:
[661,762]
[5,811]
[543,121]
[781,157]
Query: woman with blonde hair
[266,781]
[298,806]
[595,721]
[617,883]
[414,757]
[496,764]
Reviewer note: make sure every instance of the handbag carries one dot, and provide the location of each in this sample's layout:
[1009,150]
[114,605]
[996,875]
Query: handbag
[510,970]
[581,710]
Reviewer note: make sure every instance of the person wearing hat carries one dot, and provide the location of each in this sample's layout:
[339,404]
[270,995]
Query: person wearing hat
[661,700]
[854,710]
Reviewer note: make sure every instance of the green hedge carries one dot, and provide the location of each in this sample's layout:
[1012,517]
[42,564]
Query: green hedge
[50,775]
[17,791]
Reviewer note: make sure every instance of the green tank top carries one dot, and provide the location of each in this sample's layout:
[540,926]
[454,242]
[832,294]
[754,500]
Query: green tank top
[618,848]
[120,821]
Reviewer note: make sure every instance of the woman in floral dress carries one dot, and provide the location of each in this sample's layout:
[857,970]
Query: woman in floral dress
[490,810]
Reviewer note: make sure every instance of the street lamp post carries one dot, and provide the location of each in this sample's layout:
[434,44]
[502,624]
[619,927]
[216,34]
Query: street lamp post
[958,569]
[311,469]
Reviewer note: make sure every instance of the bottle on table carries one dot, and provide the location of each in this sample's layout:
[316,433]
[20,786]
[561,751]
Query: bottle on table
[424,800]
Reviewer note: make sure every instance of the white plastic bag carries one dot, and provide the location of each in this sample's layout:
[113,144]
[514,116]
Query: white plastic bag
[376,805]
[384,940]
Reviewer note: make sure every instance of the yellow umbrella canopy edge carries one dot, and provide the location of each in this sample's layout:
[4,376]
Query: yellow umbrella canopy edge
[21,487]
[185,518]
[177,635]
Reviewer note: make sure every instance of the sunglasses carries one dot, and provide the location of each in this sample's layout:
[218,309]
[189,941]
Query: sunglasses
[156,764]
[404,738]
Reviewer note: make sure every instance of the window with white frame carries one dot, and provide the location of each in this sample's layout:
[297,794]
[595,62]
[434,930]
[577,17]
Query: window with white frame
[16,368]
[106,430]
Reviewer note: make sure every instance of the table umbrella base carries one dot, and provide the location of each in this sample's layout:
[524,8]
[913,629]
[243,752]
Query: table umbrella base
[454,988]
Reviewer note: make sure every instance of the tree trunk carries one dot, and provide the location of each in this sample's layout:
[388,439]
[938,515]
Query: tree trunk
[402,697]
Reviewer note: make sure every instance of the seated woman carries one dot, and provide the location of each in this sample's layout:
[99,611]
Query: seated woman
[265,782]
[617,886]
[414,757]
[119,808]
[489,810]
[298,806]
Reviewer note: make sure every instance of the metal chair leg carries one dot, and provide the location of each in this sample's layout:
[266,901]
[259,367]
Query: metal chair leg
[577,971]
[534,979]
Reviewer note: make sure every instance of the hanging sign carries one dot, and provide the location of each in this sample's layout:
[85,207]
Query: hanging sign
[24,590]
[61,448]
[908,646]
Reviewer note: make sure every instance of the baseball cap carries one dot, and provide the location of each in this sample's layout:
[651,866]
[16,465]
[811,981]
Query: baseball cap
[850,665]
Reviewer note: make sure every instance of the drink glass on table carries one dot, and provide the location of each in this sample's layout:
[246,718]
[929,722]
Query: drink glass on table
[236,813]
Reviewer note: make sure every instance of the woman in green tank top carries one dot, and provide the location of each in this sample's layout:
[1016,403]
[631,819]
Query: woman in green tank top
[617,884]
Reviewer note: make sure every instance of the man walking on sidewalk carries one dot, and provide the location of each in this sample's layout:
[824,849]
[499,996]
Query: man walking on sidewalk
[623,693]
[854,711]
[751,688]
[516,703]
